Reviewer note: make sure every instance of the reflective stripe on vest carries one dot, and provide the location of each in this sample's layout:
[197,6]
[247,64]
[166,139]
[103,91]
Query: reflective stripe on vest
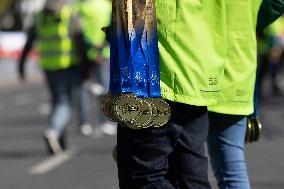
[56,48]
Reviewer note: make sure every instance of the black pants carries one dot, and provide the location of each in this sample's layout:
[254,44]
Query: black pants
[170,157]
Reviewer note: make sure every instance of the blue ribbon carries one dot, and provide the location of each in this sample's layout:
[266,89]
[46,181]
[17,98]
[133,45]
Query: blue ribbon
[114,85]
[134,53]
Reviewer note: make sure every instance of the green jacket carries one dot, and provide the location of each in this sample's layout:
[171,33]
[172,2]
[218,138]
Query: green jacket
[269,11]
[208,51]
[193,48]
[95,14]
[237,85]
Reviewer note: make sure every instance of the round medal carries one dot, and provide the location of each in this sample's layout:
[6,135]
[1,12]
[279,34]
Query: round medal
[248,132]
[257,130]
[126,108]
[107,104]
[256,125]
[161,112]
[130,125]
[146,115]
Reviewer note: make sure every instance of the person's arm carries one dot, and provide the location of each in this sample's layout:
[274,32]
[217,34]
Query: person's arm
[28,46]
[107,31]
[82,52]
[269,11]
[81,47]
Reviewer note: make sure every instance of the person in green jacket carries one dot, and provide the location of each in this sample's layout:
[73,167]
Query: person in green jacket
[228,118]
[192,41]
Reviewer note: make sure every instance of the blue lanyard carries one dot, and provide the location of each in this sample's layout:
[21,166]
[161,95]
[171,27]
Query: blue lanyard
[134,52]
[114,85]
[153,55]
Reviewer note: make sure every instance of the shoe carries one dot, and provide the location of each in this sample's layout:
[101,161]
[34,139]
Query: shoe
[52,142]
[48,148]
[86,129]
[109,129]
[62,141]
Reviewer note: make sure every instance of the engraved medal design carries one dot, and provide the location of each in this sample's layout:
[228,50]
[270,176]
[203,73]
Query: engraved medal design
[146,115]
[127,108]
[134,67]
[161,112]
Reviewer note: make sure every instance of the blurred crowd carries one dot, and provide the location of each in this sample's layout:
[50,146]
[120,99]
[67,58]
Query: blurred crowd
[83,38]
[271,57]
[72,50]
[69,40]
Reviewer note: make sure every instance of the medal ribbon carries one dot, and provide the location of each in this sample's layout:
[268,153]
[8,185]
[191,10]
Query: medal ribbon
[134,48]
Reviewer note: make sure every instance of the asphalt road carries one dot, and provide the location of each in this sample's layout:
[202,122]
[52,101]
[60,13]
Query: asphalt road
[88,164]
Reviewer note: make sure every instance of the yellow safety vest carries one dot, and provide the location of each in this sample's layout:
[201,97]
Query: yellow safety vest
[95,14]
[57,49]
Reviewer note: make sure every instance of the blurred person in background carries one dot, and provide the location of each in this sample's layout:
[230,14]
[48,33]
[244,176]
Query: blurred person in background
[96,14]
[64,61]
[228,119]
[270,49]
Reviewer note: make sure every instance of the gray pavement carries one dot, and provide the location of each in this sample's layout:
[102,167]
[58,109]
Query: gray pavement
[88,165]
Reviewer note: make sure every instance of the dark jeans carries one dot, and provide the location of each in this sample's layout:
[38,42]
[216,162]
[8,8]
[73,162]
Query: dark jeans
[170,157]
[63,85]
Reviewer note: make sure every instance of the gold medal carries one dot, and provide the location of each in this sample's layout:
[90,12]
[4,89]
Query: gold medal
[255,122]
[139,113]
[107,104]
[253,130]
[161,112]
[146,115]
[130,125]
[258,128]
[248,132]
[126,108]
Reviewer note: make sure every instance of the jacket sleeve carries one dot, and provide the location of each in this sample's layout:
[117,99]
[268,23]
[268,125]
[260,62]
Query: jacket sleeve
[81,46]
[269,11]
[28,45]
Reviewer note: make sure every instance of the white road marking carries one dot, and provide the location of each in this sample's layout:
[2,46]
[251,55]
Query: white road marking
[52,163]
